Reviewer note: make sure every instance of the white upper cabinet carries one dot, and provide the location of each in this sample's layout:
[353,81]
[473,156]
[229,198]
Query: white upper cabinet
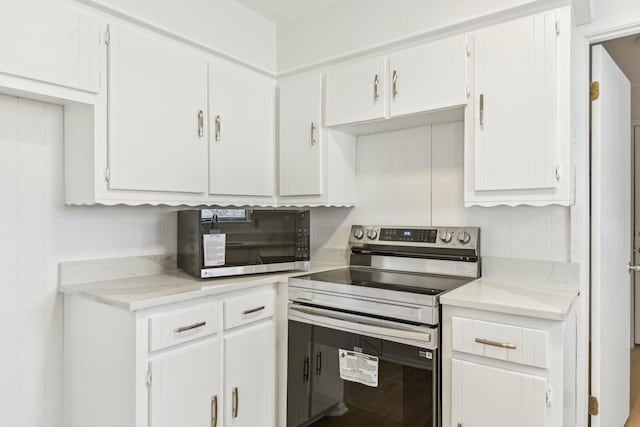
[517,122]
[157,134]
[413,87]
[317,164]
[51,42]
[356,92]
[428,77]
[301,133]
[241,131]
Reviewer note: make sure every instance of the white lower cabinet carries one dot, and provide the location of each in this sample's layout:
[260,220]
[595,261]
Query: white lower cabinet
[484,396]
[250,377]
[182,364]
[185,387]
[504,370]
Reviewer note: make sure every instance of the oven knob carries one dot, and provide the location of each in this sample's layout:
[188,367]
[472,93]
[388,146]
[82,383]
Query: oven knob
[372,234]
[445,236]
[464,237]
[358,233]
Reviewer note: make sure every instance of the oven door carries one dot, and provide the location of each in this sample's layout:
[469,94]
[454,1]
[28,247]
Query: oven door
[391,370]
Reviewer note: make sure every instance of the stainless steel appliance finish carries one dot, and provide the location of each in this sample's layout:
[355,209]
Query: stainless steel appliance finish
[228,242]
[385,305]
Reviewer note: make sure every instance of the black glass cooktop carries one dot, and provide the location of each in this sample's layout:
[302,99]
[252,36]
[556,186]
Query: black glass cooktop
[425,284]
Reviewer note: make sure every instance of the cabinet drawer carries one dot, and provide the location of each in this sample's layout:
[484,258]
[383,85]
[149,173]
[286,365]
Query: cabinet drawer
[182,325]
[499,341]
[249,308]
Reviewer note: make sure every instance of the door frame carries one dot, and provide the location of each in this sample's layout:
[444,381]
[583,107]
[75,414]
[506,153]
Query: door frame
[583,37]
[635,297]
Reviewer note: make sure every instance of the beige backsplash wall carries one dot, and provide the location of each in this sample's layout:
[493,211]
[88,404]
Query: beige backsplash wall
[415,177]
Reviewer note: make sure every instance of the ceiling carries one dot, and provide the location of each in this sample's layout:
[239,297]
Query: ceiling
[282,11]
[625,52]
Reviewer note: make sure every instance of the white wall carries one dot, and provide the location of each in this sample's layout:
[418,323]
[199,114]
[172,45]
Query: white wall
[415,177]
[221,25]
[36,232]
[350,26]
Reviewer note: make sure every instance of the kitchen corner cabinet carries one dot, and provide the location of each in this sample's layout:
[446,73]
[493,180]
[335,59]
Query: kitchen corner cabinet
[241,131]
[50,41]
[156,127]
[317,165]
[517,138]
[503,370]
[205,362]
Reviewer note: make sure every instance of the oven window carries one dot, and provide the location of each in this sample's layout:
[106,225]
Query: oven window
[406,394]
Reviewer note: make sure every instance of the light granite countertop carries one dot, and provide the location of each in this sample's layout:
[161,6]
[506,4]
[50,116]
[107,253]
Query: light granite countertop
[540,289]
[143,282]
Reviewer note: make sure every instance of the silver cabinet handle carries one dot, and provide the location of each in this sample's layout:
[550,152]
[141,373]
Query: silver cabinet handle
[200,124]
[633,267]
[253,310]
[190,327]
[218,127]
[481,109]
[313,133]
[394,79]
[318,363]
[376,84]
[496,344]
[234,403]
[305,369]
[214,411]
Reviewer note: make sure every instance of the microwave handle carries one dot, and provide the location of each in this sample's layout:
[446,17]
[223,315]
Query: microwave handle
[391,331]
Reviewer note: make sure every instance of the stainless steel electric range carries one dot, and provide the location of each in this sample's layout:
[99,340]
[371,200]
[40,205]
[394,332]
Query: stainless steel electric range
[364,340]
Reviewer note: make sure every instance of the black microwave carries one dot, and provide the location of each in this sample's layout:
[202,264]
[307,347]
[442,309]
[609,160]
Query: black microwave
[229,242]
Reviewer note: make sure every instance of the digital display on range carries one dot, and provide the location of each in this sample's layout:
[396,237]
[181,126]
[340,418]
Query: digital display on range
[408,235]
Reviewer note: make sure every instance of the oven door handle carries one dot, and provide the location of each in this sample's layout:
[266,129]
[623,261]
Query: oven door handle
[422,336]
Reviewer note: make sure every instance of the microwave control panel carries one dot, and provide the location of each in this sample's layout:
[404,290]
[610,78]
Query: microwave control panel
[302,238]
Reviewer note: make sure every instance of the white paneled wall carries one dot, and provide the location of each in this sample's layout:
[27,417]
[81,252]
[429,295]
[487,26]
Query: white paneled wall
[415,177]
[36,232]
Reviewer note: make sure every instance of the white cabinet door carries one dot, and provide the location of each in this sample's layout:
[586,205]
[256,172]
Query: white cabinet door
[301,141]
[493,397]
[186,388]
[250,377]
[356,92]
[157,108]
[242,131]
[428,77]
[515,72]
[49,41]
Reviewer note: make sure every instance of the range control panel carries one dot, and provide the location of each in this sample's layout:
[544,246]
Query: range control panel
[449,237]
[408,235]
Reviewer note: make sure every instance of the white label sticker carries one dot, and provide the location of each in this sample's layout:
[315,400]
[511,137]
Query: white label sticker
[214,249]
[358,367]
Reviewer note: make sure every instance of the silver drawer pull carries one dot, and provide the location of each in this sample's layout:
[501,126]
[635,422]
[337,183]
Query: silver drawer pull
[190,327]
[496,344]
[253,310]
